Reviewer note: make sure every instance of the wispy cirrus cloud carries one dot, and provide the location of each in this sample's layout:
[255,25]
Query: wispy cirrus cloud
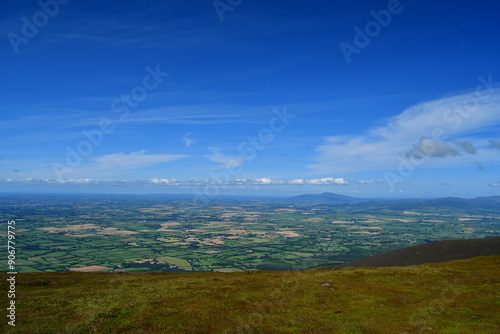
[65,125]
[134,160]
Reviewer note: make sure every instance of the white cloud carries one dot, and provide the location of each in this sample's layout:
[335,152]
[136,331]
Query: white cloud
[369,181]
[466,146]
[268,181]
[77,181]
[297,181]
[495,143]
[165,181]
[230,161]
[134,160]
[187,141]
[441,123]
[264,180]
[328,180]
[191,182]
[431,148]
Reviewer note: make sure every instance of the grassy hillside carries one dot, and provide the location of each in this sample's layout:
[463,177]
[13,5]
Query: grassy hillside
[432,252]
[453,297]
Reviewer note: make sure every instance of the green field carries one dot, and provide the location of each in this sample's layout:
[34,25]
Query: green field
[126,233]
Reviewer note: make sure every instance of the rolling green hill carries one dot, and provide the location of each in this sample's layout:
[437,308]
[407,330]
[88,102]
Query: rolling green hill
[432,252]
[461,296]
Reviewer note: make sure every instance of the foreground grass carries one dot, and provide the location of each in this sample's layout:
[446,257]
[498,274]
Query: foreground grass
[453,297]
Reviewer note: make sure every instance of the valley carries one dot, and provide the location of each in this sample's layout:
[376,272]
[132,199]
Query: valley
[170,234]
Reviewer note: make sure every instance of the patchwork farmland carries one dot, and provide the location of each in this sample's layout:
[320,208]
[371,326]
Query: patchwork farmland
[143,234]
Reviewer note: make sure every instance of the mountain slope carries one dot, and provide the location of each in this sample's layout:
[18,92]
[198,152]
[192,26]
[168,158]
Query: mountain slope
[438,251]
[486,203]
[491,202]
[452,297]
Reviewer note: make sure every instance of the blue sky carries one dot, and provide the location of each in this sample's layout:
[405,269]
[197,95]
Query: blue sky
[362,98]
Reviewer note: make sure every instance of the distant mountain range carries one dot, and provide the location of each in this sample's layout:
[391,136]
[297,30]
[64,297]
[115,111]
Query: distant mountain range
[463,203]
[327,197]
[492,202]
[432,252]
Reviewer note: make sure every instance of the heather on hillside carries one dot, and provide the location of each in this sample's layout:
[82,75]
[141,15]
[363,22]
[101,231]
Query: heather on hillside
[452,297]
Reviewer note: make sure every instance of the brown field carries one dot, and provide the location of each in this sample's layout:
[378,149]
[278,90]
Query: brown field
[217,223]
[234,231]
[364,227]
[289,233]
[228,215]
[213,241]
[370,220]
[52,260]
[165,227]
[146,261]
[80,235]
[88,269]
[402,220]
[115,231]
[315,220]
[71,228]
